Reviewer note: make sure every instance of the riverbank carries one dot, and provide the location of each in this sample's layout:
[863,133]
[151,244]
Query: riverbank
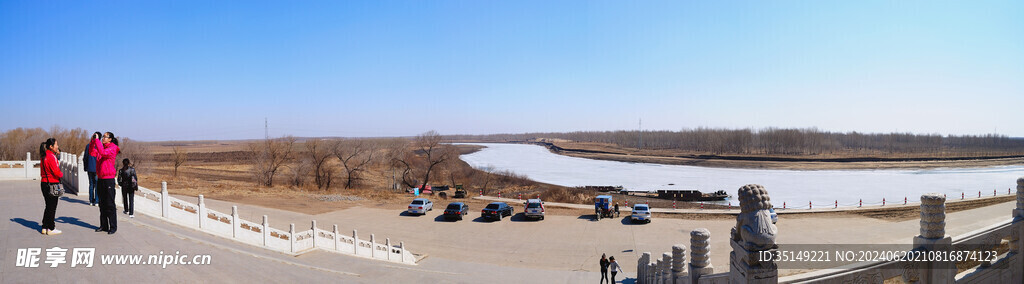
[610,152]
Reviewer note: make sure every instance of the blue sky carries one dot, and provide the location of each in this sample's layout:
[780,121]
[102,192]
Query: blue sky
[187,70]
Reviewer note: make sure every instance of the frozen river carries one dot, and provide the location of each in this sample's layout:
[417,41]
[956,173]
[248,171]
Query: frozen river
[794,187]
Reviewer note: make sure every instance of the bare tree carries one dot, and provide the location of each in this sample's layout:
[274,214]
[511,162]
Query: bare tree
[268,156]
[355,157]
[135,151]
[178,156]
[433,152]
[298,173]
[318,152]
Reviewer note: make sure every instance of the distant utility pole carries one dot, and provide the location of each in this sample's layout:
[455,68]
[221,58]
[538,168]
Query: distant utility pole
[640,129]
[266,129]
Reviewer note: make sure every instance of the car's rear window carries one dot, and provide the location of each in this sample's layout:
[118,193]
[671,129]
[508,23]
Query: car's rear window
[533,205]
[641,207]
[454,207]
[493,206]
[417,202]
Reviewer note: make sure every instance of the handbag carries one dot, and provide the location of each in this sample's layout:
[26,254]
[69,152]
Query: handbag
[56,189]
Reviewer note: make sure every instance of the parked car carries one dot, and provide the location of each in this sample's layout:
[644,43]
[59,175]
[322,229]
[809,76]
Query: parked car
[496,210]
[641,213]
[534,209]
[456,210]
[420,206]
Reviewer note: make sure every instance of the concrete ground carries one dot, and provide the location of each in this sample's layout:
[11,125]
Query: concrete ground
[563,249]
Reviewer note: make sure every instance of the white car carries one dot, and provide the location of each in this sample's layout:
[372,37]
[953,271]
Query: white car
[534,209]
[420,206]
[641,213]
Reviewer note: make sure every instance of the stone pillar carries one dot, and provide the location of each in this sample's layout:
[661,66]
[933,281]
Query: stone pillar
[1016,242]
[933,238]
[666,268]
[700,254]
[651,269]
[658,266]
[373,246]
[355,242]
[28,164]
[266,231]
[234,221]
[401,248]
[641,268]
[387,243]
[314,233]
[291,237]
[202,212]
[337,239]
[165,202]
[678,260]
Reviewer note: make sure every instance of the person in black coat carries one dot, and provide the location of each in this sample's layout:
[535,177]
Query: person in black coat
[129,183]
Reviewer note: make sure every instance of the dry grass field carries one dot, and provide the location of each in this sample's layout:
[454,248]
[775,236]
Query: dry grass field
[222,170]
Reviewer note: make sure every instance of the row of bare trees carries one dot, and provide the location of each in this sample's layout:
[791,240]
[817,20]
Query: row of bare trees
[783,141]
[327,161]
[16,142]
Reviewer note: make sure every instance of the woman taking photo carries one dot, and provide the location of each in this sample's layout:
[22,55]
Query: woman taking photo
[49,173]
[106,151]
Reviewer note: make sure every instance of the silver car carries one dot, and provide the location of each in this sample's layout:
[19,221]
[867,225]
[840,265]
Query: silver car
[534,209]
[641,213]
[420,206]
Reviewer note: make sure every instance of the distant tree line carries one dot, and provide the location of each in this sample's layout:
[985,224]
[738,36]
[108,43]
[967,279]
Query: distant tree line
[783,141]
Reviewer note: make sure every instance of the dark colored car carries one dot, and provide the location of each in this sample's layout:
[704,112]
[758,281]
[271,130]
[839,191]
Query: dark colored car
[496,210]
[455,211]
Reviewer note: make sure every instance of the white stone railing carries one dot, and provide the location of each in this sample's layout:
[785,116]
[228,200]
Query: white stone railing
[1007,267]
[26,168]
[198,216]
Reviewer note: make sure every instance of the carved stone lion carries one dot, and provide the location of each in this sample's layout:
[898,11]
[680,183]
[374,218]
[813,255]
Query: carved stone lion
[754,229]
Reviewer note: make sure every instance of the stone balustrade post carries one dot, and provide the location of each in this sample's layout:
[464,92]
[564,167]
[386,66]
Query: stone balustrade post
[678,260]
[666,268]
[234,221]
[700,254]
[641,268]
[165,202]
[28,164]
[291,237]
[658,266]
[355,242]
[314,233]
[202,212]
[651,268]
[933,238]
[266,231]
[387,243]
[401,246]
[1016,242]
[337,238]
[373,246]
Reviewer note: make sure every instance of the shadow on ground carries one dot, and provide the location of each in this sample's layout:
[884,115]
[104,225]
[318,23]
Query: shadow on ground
[72,200]
[35,226]
[74,221]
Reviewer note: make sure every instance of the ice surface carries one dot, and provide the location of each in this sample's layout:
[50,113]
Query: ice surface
[795,187]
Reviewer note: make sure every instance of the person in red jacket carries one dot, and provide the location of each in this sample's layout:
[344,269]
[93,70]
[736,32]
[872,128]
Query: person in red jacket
[49,173]
[105,150]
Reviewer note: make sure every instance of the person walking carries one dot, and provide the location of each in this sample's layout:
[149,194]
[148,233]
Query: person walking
[614,266]
[616,209]
[604,268]
[49,173]
[105,150]
[129,184]
[89,163]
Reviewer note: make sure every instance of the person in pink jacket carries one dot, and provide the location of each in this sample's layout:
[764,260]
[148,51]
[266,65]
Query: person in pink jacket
[105,150]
